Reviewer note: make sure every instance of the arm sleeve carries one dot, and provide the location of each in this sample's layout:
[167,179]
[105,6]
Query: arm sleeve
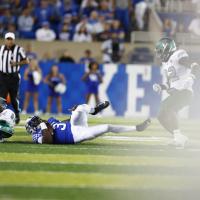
[22,53]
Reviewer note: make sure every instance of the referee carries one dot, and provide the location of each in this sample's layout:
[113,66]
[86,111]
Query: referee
[12,57]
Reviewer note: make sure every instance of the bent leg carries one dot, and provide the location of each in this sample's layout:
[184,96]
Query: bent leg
[79,115]
[168,115]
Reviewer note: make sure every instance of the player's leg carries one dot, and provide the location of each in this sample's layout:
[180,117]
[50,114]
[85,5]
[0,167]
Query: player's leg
[168,112]
[87,133]
[79,115]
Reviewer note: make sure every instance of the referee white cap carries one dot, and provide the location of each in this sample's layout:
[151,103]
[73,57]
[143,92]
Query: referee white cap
[10,35]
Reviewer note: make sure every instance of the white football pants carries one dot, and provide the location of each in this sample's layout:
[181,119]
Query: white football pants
[81,131]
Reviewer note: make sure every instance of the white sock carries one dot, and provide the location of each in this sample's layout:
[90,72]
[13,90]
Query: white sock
[121,129]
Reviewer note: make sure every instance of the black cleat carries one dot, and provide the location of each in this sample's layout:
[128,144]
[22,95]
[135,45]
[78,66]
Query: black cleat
[100,107]
[144,125]
[17,118]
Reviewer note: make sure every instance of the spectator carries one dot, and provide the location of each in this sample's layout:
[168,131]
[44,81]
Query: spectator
[194,26]
[105,11]
[88,6]
[84,23]
[112,49]
[31,6]
[140,9]
[95,23]
[2,28]
[55,15]
[43,12]
[87,58]
[45,33]
[8,18]
[123,12]
[67,7]
[32,75]
[47,57]
[29,53]
[169,28]
[92,79]
[12,28]
[66,57]
[106,34]
[52,80]
[16,8]
[66,28]
[116,28]
[25,24]
[65,33]
[82,35]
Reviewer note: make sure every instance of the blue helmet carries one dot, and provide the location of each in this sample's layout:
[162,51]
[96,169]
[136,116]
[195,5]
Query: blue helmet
[32,124]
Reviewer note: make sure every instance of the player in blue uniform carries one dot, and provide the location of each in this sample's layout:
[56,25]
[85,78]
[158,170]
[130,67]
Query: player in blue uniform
[75,130]
[33,76]
[92,79]
[53,79]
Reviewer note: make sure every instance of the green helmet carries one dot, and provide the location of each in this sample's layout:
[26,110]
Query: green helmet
[164,48]
[6,130]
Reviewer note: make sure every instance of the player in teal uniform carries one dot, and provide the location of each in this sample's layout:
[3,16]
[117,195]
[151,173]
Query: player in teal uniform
[76,129]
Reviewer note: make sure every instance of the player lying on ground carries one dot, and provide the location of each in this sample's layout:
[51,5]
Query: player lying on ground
[7,120]
[179,74]
[75,129]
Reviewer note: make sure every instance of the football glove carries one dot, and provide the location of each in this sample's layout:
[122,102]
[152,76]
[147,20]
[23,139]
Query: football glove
[157,88]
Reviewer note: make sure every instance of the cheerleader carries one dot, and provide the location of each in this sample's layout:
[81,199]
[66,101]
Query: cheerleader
[33,76]
[57,86]
[92,80]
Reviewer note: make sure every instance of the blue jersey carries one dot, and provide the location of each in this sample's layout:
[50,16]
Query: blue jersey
[31,87]
[54,81]
[92,83]
[62,133]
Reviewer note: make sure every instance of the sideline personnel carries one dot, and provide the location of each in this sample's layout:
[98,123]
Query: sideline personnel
[12,57]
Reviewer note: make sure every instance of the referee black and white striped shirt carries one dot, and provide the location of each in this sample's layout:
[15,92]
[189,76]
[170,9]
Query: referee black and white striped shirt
[11,55]
[15,54]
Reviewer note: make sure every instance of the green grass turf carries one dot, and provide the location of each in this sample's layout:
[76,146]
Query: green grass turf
[103,169]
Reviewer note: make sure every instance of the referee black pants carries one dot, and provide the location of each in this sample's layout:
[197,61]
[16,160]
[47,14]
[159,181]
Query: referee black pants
[9,83]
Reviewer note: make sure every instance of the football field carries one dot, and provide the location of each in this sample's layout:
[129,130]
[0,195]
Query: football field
[135,166]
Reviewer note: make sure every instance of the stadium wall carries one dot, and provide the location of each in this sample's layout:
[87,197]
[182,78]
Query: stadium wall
[127,87]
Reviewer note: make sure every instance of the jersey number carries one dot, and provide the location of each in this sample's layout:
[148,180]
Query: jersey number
[62,126]
[172,74]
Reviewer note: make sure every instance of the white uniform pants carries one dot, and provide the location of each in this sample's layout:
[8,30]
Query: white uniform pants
[81,131]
